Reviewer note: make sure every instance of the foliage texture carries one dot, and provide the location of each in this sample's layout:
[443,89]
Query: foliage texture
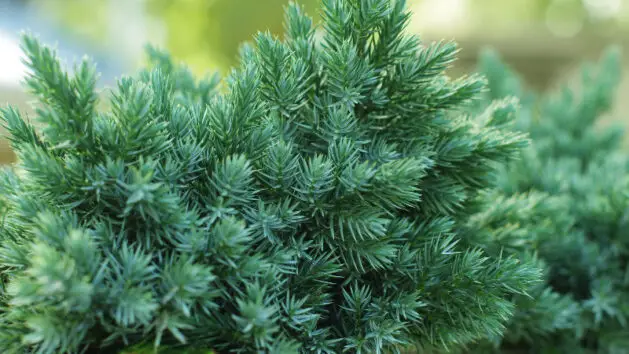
[316,201]
[578,171]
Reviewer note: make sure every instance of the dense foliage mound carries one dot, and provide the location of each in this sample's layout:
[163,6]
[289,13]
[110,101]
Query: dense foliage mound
[316,202]
[577,171]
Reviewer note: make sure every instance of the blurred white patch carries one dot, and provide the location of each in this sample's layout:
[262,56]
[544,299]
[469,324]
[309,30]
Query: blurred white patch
[440,15]
[12,69]
[565,18]
[130,29]
[603,8]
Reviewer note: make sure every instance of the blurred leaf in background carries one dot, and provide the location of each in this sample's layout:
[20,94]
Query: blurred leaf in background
[207,33]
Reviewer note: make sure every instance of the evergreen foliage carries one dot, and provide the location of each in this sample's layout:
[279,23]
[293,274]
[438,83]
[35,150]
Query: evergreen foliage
[578,172]
[321,202]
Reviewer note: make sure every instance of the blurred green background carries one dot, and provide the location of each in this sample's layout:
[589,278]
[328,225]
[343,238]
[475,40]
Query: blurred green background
[544,39]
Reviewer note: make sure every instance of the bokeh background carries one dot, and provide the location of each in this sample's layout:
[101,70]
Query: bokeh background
[545,40]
